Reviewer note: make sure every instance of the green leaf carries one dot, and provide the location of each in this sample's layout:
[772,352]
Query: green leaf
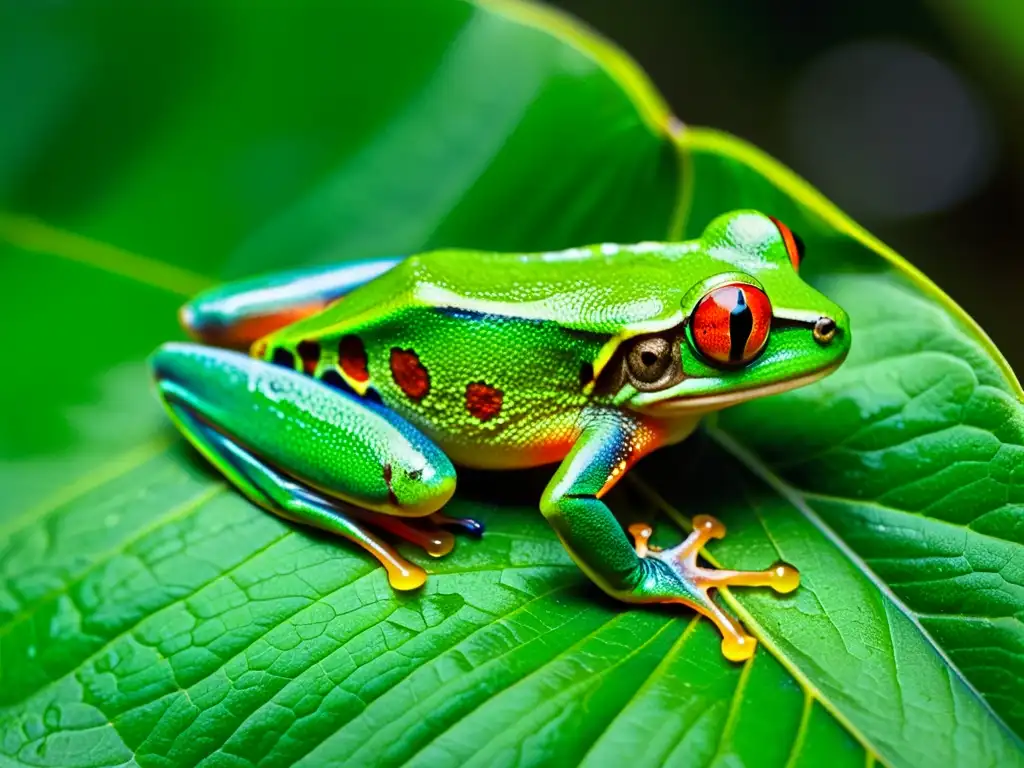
[149,615]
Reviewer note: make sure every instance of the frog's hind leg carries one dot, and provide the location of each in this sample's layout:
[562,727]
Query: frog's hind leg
[238,313]
[288,499]
[307,452]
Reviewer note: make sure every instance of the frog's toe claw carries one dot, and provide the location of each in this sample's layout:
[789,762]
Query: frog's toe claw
[641,533]
[707,527]
[466,525]
[737,645]
[403,575]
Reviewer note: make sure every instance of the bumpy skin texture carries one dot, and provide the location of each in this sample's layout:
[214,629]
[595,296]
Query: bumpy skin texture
[593,357]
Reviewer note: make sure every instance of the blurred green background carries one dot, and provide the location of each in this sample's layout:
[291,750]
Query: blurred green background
[907,114]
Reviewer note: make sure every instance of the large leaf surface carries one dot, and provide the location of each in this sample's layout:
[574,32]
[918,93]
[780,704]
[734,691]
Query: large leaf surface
[150,615]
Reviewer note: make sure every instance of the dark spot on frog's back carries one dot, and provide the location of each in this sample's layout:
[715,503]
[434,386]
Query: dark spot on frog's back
[309,354]
[284,358]
[352,358]
[483,401]
[409,374]
[334,379]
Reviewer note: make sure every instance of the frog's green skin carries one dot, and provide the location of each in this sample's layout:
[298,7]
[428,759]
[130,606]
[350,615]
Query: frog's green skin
[498,361]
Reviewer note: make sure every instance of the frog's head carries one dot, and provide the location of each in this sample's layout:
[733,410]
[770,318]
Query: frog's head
[750,326]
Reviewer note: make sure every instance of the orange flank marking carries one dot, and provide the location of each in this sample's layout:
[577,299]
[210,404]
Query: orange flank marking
[352,358]
[483,401]
[309,353]
[409,374]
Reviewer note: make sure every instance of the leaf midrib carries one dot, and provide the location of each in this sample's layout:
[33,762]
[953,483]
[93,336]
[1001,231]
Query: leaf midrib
[794,497]
[885,508]
[805,683]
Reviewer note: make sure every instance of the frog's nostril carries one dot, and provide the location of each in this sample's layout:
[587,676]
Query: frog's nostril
[824,330]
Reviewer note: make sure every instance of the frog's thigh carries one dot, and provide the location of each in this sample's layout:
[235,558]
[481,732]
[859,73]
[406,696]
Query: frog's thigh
[288,499]
[304,451]
[239,313]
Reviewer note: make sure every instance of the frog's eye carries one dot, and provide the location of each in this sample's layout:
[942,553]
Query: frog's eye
[730,325]
[651,363]
[794,245]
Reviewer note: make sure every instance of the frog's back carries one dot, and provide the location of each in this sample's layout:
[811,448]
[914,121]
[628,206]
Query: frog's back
[599,288]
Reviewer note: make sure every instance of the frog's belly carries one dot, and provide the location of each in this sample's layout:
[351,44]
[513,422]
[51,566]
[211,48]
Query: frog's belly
[543,440]
[514,444]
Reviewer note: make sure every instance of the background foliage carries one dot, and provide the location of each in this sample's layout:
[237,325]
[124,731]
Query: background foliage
[149,615]
[877,104]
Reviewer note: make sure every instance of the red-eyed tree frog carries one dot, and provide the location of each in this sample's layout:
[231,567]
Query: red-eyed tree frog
[363,383]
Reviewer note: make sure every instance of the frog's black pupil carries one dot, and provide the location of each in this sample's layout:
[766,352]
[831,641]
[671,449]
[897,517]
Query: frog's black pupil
[741,324]
[648,358]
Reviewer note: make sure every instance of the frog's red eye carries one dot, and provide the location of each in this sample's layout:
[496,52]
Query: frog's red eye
[731,324]
[794,245]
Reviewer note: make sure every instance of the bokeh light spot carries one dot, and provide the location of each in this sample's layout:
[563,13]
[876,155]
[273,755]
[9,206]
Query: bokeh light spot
[888,131]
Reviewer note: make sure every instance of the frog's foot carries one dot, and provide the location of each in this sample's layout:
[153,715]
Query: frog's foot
[426,533]
[737,645]
[466,525]
[402,574]
[431,539]
[306,506]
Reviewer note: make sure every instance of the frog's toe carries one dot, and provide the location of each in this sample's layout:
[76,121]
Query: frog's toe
[641,533]
[429,538]
[737,645]
[781,577]
[466,525]
[403,575]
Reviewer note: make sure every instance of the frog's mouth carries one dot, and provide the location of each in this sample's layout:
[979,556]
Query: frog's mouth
[683,404]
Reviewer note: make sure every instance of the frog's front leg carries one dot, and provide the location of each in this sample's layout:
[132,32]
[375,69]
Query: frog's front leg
[309,453]
[608,445]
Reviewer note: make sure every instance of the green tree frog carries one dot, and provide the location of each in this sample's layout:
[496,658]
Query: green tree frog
[363,383]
